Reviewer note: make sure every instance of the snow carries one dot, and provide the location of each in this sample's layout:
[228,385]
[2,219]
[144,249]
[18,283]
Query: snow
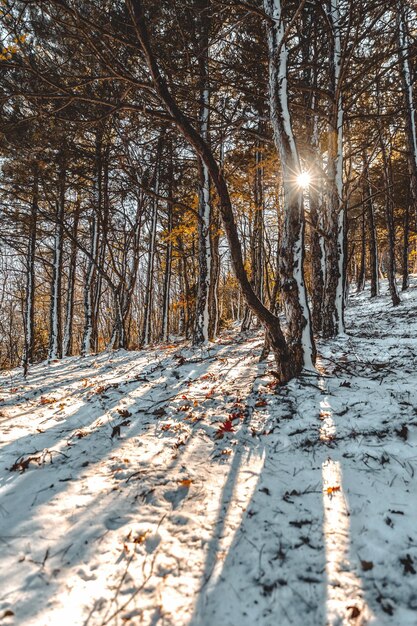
[181,485]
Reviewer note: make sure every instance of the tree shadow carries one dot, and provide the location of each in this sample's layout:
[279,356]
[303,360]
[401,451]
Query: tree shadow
[78,535]
[271,568]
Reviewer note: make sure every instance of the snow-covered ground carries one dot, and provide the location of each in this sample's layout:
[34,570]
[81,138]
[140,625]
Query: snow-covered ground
[183,487]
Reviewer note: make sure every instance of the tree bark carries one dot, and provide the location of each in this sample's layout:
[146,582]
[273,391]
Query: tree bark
[285,363]
[300,337]
[333,312]
[67,344]
[55,342]
[29,317]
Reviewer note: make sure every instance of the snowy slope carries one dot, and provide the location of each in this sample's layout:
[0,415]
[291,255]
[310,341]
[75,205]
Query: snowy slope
[180,486]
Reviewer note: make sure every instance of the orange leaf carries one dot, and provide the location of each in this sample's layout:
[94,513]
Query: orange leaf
[185,482]
[45,400]
[331,490]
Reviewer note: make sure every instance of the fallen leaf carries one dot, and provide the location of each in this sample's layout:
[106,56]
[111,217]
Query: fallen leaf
[261,403]
[331,490]
[226,427]
[115,432]
[45,400]
[354,612]
[141,538]
[185,482]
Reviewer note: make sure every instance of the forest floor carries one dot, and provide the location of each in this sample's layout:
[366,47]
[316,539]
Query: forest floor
[180,486]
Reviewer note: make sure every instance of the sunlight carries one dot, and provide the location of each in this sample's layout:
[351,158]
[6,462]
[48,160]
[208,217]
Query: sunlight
[344,589]
[304,180]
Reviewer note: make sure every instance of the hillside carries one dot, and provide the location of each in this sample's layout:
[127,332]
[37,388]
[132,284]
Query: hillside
[182,486]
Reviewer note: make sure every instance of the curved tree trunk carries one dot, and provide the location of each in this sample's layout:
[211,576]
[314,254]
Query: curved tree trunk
[287,363]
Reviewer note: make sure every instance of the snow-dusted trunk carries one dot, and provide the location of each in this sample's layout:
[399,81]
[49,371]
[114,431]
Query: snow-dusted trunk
[406,249]
[90,322]
[310,37]
[286,364]
[389,216]
[333,312]
[201,325]
[389,201]
[55,339]
[167,284]
[372,234]
[293,287]
[214,313]
[103,220]
[72,270]
[315,199]
[404,49]
[148,301]
[166,297]
[29,316]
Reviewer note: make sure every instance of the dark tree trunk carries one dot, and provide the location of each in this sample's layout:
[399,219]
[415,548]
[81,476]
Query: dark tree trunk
[67,345]
[362,261]
[372,234]
[148,302]
[166,297]
[55,341]
[90,325]
[29,317]
[202,313]
[389,216]
[406,249]
[287,363]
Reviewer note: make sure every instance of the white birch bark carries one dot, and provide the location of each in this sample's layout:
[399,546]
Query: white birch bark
[292,269]
[407,82]
[335,18]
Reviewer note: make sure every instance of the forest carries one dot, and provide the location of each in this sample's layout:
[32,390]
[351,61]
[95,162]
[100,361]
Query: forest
[208,284]
[176,168]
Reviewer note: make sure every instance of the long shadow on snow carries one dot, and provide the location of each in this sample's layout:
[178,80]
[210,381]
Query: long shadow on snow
[274,568]
[39,481]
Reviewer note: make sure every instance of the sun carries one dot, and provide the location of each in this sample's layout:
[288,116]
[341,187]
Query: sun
[303,180]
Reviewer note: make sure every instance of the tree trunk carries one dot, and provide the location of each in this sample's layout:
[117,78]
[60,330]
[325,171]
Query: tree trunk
[333,317]
[300,338]
[360,286]
[90,324]
[389,216]
[148,302]
[29,316]
[69,309]
[286,363]
[202,320]
[55,342]
[168,253]
[406,249]
[404,50]
[373,240]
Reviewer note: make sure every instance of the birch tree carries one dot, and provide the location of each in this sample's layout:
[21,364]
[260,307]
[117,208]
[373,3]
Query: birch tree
[292,250]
